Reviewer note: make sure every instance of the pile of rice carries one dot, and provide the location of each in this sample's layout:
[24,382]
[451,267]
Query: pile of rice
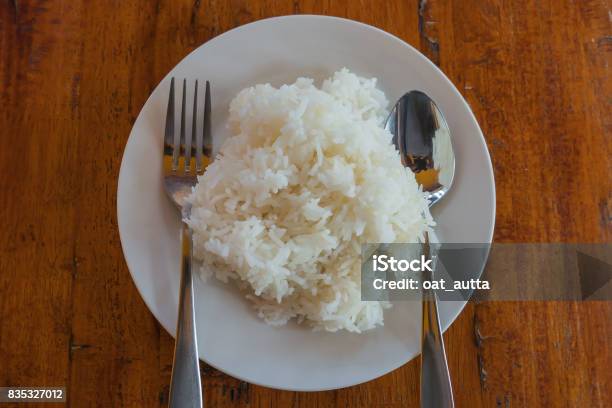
[308,176]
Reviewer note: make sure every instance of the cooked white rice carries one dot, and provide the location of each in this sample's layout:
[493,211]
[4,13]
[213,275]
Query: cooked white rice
[308,176]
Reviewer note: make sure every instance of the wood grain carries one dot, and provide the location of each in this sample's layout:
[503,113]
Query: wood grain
[74,76]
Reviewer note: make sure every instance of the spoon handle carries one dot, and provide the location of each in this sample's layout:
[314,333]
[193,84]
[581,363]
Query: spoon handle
[436,389]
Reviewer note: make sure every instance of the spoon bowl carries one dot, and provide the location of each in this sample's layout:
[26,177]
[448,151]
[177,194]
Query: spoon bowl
[422,136]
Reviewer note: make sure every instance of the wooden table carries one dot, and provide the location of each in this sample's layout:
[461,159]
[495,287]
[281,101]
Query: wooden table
[74,75]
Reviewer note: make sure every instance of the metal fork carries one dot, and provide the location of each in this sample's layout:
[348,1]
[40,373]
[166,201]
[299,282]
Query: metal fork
[183,162]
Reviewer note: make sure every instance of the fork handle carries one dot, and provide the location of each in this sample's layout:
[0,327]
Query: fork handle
[185,385]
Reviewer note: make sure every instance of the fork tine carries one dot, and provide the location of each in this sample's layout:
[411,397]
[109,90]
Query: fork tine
[207,139]
[206,147]
[169,132]
[181,148]
[192,141]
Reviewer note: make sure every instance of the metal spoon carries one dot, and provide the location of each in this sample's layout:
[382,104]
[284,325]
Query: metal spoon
[422,136]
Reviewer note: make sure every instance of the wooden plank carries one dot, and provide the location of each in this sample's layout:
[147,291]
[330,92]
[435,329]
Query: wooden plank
[39,190]
[118,363]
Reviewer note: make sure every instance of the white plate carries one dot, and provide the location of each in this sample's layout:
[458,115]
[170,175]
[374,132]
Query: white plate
[231,337]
